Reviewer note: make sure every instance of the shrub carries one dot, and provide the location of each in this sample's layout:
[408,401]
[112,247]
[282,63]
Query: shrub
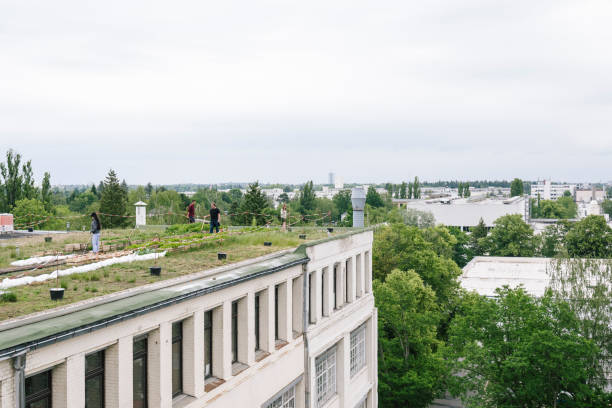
[8,297]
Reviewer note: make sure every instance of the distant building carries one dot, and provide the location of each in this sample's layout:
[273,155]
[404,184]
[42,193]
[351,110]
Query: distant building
[589,194]
[466,213]
[546,190]
[332,179]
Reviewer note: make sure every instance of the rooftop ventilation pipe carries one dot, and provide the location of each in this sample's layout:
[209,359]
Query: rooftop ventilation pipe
[358,199]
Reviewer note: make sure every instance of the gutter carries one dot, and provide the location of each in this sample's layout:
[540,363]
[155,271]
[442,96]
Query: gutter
[14,351]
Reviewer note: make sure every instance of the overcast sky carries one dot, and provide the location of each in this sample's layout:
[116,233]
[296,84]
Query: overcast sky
[287,91]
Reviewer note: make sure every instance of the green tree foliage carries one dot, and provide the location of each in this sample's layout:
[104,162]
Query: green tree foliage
[516,187]
[518,351]
[403,247]
[511,236]
[416,188]
[45,192]
[586,284]
[551,240]
[466,190]
[12,180]
[81,203]
[29,212]
[606,207]
[402,190]
[410,193]
[342,201]
[307,198]
[113,201]
[562,208]
[149,189]
[411,367]
[373,198]
[591,237]
[460,190]
[477,243]
[462,252]
[253,205]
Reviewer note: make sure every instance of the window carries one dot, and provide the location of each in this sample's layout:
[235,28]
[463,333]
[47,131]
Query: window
[325,376]
[323,294]
[257,345]
[285,399]
[311,298]
[208,344]
[177,358]
[335,287]
[346,281]
[38,390]
[139,370]
[276,312]
[94,380]
[235,332]
[358,349]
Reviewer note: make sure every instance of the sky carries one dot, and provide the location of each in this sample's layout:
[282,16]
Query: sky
[285,91]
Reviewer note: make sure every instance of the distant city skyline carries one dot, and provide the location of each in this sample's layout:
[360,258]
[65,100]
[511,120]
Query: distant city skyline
[285,92]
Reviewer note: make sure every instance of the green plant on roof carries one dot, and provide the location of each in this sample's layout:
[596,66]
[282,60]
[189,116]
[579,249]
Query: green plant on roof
[8,297]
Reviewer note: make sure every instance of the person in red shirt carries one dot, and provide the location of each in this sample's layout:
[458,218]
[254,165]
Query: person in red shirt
[191,212]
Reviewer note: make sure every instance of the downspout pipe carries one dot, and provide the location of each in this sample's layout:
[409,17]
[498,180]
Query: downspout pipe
[19,364]
[305,321]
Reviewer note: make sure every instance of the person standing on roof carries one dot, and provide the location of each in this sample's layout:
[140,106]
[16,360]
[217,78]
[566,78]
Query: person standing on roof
[191,212]
[95,232]
[215,217]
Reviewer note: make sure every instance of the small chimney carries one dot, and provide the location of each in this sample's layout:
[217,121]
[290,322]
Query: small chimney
[358,199]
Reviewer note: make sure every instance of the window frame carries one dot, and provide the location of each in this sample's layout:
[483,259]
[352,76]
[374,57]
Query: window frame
[178,338]
[45,394]
[257,321]
[208,342]
[234,329]
[144,355]
[96,372]
[357,354]
[326,379]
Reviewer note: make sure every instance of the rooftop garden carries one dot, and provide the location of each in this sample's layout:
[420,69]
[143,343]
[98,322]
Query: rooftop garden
[188,251]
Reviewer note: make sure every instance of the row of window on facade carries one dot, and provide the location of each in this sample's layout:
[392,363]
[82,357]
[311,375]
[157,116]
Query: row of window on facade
[38,387]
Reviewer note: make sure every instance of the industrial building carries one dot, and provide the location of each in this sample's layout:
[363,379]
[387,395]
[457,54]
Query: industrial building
[546,190]
[293,329]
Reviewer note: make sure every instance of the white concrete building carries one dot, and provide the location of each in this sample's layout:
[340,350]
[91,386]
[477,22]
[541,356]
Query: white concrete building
[549,191]
[590,194]
[292,329]
[466,213]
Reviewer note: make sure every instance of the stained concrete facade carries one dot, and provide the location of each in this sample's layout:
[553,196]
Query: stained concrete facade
[302,314]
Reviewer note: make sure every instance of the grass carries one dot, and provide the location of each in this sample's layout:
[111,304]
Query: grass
[35,297]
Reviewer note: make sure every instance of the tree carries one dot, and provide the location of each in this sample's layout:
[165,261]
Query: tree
[149,189]
[28,189]
[373,198]
[29,213]
[283,198]
[591,237]
[45,192]
[462,250]
[307,197]
[342,201]
[460,189]
[516,187]
[606,207]
[511,236]
[93,190]
[586,284]
[113,202]
[466,190]
[416,188]
[403,247]
[410,365]
[479,232]
[253,205]
[410,193]
[402,190]
[12,180]
[519,351]
[389,188]
[551,240]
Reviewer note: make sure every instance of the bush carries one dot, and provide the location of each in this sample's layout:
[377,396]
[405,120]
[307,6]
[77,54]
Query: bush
[8,297]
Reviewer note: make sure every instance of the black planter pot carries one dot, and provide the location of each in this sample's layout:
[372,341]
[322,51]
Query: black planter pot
[56,293]
[221,255]
[30,229]
[330,230]
[155,270]
[48,239]
[267,243]
[302,236]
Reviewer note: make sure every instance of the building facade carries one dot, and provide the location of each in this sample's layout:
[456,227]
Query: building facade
[295,329]
[546,190]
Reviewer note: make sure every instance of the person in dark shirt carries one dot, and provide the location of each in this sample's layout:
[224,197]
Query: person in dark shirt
[191,212]
[215,217]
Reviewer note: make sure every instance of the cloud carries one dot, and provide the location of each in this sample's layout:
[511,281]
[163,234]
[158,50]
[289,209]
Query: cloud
[273,90]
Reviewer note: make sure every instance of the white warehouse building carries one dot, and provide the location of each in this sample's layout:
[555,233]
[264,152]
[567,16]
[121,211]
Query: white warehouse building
[293,329]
